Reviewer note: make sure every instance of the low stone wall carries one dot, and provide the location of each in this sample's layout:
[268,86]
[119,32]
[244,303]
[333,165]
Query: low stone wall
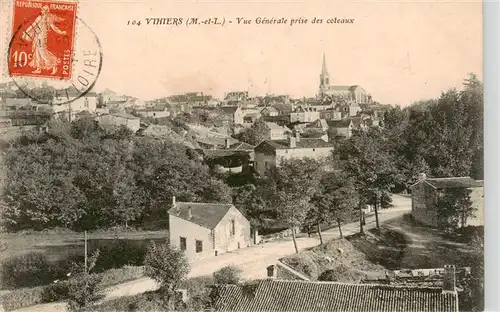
[279,235]
[284,272]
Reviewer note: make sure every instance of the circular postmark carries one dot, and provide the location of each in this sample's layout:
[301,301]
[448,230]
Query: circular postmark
[54,58]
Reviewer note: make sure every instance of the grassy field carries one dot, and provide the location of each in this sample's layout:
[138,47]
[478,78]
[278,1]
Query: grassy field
[60,244]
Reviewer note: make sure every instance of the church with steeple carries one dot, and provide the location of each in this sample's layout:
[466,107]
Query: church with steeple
[354,93]
[324,77]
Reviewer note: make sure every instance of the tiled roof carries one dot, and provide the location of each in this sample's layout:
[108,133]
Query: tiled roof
[207,215]
[270,109]
[274,126]
[241,146]
[454,182]
[217,141]
[123,115]
[178,98]
[320,123]
[252,115]
[283,108]
[229,109]
[339,88]
[343,123]
[281,295]
[356,121]
[18,102]
[302,143]
[225,153]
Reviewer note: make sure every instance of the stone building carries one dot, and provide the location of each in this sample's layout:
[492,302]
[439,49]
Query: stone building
[118,119]
[426,192]
[354,94]
[207,229]
[272,152]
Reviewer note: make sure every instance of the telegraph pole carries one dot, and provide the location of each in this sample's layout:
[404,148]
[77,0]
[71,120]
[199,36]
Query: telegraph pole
[86,252]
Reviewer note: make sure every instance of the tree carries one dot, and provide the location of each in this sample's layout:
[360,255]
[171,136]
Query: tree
[255,202]
[367,158]
[335,201]
[294,182]
[84,292]
[168,266]
[454,207]
[442,137]
[84,288]
[253,135]
[81,176]
[228,275]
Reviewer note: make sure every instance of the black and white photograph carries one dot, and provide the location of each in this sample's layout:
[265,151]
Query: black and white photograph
[241,156]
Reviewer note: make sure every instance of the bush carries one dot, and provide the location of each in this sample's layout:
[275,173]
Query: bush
[116,276]
[55,292]
[25,297]
[84,292]
[341,273]
[303,263]
[119,252]
[167,266]
[148,301]
[228,275]
[198,292]
[114,254]
[21,298]
[29,270]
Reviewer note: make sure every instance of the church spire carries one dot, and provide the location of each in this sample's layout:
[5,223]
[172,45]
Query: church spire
[324,68]
[324,77]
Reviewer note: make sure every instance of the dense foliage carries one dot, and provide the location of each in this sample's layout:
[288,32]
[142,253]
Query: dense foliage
[442,137]
[253,135]
[168,266]
[81,176]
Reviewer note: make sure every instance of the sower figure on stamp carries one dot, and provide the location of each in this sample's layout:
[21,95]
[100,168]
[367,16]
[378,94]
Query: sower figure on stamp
[42,58]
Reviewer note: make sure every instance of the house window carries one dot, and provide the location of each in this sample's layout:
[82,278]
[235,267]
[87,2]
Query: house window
[199,246]
[183,243]
[233,227]
[314,150]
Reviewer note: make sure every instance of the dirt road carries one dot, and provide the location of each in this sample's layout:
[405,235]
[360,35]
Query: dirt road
[253,260]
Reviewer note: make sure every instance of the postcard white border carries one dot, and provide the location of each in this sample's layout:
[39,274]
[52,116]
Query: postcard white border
[491,44]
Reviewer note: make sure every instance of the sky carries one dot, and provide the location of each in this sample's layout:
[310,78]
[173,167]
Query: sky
[398,51]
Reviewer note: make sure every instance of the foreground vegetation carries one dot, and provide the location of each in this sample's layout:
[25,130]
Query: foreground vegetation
[26,297]
[398,244]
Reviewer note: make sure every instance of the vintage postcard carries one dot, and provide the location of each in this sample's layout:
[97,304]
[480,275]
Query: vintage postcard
[241,156]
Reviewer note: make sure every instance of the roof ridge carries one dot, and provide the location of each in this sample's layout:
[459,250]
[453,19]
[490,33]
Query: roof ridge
[355,284]
[466,177]
[178,202]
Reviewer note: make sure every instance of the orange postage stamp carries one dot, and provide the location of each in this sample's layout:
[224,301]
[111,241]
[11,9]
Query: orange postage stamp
[42,39]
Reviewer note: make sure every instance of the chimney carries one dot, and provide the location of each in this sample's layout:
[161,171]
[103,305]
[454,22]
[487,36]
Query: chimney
[449,278]
[173,200]
[226,141]
[297,136]
[421,177]
[190,213]
[292,141]
[271,272]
